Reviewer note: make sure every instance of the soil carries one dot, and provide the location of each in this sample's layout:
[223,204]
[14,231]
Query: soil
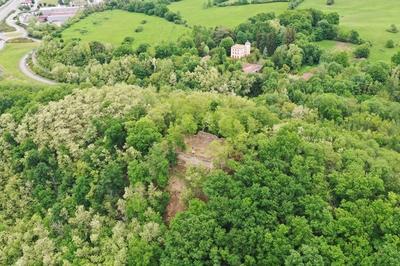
[175,189]
[197,154]
[342,46]
[306,76]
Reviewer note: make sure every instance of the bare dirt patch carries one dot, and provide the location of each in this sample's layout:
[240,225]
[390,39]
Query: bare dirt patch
[343,46]
[175,189]
[306,76]
[198,153]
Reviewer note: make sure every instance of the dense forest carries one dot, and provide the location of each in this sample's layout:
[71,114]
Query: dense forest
[306,170]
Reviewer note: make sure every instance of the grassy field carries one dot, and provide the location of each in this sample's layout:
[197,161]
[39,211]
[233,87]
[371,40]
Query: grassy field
[195,14]
[4,27]
[9,62]
[113,26]
[370,18]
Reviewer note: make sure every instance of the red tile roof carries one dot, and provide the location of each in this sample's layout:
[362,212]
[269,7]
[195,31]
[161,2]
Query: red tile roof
[251,68]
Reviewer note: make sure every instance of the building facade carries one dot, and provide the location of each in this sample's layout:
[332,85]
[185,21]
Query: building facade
[239,50]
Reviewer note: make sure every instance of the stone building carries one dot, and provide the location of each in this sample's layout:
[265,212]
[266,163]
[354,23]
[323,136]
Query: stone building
[239,50]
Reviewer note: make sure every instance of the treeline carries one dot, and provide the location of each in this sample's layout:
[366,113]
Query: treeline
[283,42]
[224,3]
[292,4]
[157,8]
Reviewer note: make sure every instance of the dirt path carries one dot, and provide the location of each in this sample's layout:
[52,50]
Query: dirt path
[176,188]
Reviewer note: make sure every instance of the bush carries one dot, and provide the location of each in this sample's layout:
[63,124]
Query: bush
[294,3]
[389,44]
[139,29]
[341,58]
[128,40]
[143,21]
[330,2]
[362,51]
[354,37]
[349,36]
[396,58]
[393,29]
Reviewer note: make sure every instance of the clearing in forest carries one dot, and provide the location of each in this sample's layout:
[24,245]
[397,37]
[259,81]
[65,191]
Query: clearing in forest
[198,153]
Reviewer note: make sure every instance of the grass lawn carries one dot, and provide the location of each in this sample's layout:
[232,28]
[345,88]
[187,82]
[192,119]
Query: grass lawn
[9,62]
[4,27]
[334,45]
[13,34]
[194,13]
[113,26]
[370,18]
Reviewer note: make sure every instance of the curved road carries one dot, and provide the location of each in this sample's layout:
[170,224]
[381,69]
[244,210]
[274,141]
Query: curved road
[7,12]
[23,66]
[9,7]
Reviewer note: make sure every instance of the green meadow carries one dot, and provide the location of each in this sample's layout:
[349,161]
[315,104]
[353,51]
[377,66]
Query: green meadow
[370,18]
[10,57]
[113,26]
[194,13]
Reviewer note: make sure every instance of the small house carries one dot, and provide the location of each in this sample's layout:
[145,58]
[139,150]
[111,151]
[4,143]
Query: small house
[239,50]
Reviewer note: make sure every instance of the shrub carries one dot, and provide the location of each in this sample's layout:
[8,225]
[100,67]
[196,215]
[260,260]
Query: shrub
[294,3]
[396,58]
[362,51]
[389,44]
[393,29]
[330,2]
[341,58]
[139,29]
[349,36]
[128,40]
[143,21]
[354,37]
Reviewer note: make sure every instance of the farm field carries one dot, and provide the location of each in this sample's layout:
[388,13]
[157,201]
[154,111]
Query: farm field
[9,62]
[195,14]
[113,26]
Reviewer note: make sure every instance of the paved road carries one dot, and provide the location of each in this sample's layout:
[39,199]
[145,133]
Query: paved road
[11,22]
[8,7]
[11,7]
[23,66]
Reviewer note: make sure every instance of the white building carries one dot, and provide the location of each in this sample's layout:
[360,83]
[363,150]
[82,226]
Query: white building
[239,50]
